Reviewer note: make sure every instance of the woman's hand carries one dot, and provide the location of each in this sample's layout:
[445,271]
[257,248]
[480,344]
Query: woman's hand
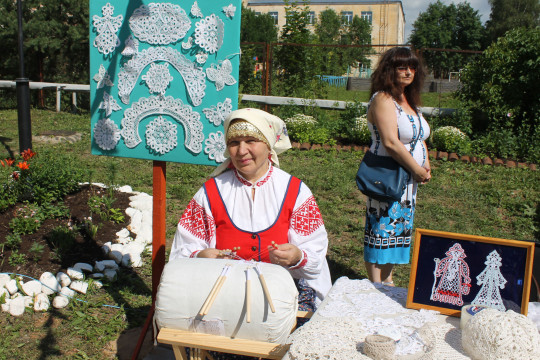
[422,175]
[212,253]
[285,254]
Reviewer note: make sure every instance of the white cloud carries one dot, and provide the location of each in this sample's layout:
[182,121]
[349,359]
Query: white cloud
[412,8]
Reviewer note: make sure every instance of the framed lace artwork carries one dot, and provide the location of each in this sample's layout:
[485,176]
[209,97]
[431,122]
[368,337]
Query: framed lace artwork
[164,76]
[449,271]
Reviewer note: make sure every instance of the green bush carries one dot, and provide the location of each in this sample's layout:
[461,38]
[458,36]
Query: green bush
[13,241]
[500,90]
[27,220]
[352,126]
[305,129]
[450,139]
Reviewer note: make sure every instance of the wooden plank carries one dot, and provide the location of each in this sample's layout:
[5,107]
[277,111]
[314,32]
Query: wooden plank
[222,344]
[179,353]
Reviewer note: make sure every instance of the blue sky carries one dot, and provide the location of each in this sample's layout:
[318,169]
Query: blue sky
[412,8]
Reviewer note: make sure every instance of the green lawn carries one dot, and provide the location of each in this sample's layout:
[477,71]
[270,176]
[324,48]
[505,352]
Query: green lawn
[465,198]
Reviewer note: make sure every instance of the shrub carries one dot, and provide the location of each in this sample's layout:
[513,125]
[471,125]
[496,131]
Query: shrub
[450,139]
[304,129]
[27,220]
[16,259]
[13,241]
[36,251]
[501,90]
[361,133]
[350,127]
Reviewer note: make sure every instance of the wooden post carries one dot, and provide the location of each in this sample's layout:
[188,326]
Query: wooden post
[158,223]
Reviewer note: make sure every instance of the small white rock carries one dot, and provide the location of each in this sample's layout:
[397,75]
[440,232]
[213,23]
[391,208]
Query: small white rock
[79,286]
[5,306]
[106,247]
[67,292]
[110,274]
[124,233]
[41,302]
[75,274]
[63,279]
[131,211]
[28,301]
[116,256]
[16,306]
[32,288]
[4,279]
[125,189]
[49,283]
[98,284]
[109,264]
[60,302]
[11,286]
[3,291]
[83,267]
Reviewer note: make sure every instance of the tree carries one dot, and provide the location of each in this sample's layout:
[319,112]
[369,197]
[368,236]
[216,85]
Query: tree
[509,14]
[447,27]
[294,63]
[500,91]
[254,28]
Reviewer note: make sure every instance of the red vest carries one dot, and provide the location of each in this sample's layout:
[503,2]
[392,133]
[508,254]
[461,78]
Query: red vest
[253,245]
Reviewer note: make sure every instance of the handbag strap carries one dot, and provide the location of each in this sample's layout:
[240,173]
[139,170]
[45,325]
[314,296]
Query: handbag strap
[413,145]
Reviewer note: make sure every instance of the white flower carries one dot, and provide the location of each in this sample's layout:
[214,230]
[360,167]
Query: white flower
[215,147]
[301,119]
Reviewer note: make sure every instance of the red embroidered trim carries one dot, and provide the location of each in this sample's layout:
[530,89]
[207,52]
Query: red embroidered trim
[241,179]
[259,183]
[307,218]
[194,254]
[302,263]
[197,222]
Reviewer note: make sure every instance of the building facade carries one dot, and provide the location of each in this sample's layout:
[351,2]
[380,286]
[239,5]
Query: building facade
[386,17]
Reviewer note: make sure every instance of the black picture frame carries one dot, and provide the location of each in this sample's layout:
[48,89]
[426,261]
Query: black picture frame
[438,279]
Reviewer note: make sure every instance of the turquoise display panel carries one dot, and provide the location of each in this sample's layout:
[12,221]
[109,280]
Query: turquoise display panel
[164,75]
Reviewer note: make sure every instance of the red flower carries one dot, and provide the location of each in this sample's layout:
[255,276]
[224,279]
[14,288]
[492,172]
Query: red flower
[2,162]
[23,165]
[10,162]
[15,175]
[28,154]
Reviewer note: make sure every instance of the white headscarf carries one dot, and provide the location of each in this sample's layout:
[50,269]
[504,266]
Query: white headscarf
[271,126]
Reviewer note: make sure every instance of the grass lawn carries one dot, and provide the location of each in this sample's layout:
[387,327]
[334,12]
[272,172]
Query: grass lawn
[465,198]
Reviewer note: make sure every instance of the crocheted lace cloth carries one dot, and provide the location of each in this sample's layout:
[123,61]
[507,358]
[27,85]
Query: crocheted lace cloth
[354,309]
[497,335]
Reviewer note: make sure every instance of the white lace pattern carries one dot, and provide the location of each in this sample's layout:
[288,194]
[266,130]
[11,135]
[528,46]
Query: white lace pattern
[174,108]
[131,46]
[196,11]
[106,134]
[103,78]
[109,104]
[106,27]
[193,76]
[229,10]
[221,75]
[218,113]
[159,23]
[161,135]
[209,33]
[215,147]
[158,78]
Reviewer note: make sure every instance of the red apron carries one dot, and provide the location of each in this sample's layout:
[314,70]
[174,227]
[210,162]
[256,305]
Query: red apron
[253,245]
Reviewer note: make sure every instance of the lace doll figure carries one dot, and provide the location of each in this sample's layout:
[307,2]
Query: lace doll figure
[492,281]
[453,277]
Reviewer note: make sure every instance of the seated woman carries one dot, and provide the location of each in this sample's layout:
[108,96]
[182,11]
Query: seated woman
[256,210]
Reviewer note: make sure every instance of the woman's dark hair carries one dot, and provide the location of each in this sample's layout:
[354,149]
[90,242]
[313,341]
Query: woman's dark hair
[383,78]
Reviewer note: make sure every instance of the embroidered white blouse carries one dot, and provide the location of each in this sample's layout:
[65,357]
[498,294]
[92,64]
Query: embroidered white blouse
[196,229]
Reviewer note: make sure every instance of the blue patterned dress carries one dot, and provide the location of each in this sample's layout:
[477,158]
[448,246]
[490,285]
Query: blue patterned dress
[388,230]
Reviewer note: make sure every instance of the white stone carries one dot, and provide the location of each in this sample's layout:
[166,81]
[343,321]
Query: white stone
[3,291]
[98,284]
[83,267]
[4,279]
[41,302]
[136,222]
[28,301]
[130,212]
[75,274]
[11,286]
[63,279]
[60,302]
[106,248]
[32,288]
[16,306]
[67,292]
[109,264]
[79,286]
[123,233]
[49,283]
[116,256]
[125,189]
[110,274]
[5,306]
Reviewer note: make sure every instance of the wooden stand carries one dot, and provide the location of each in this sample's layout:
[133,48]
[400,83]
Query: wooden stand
[200,344]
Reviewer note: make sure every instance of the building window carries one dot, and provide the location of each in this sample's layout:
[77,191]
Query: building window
[346,17]
[311,17]
[274,15]
[367,15]
[257,13]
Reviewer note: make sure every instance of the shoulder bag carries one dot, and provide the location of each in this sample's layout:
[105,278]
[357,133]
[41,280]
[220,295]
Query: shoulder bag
[383,178]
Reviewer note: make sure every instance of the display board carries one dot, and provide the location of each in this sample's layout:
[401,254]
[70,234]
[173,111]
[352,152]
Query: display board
[450,270]
[164,76]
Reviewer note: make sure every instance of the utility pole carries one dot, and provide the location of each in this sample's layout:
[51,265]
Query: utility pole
[23,93]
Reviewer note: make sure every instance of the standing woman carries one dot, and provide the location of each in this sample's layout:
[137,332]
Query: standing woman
[397,130]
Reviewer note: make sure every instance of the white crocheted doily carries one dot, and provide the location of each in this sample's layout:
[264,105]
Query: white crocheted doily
[497,335]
